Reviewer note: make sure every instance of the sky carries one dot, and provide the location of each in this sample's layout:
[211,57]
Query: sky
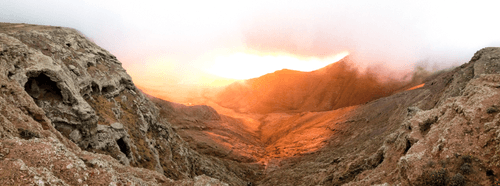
[194,42]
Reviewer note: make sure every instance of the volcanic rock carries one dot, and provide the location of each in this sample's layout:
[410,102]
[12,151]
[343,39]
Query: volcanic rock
[70,115]
[60,90]
[443,133]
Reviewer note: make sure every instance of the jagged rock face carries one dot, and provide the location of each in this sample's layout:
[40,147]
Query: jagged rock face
[60,93]
[31,149]
[66,82]
[458,139]
[61,70]
[446,133]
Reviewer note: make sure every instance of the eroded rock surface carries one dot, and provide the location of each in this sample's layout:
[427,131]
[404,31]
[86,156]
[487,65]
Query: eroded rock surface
[445,133]
[70,115]
[58,85]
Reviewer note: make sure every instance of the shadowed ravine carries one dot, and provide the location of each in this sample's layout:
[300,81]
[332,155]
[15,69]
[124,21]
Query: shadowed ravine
[359,144]
[254,137]
[279,115]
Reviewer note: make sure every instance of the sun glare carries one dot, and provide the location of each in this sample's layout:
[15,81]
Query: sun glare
[246,66]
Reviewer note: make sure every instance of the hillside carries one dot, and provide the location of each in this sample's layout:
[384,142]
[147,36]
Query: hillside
[71,115]
[334,86]
[62,91]
[445,133]
[413,137]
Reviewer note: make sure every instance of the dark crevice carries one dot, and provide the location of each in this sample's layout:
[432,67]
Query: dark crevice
[407,146]
[490,173]
[376,160]
[426,125]
[125,81]
[27,134]
[123,146]
[10,74]
[128,83]
[381,159]
[42,87]
[95,88]
[108,89]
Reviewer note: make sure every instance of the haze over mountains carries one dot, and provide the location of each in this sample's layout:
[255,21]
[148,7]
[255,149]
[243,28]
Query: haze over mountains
[168,42]
[71,115]
[350,130]
[279,115]
[338,85]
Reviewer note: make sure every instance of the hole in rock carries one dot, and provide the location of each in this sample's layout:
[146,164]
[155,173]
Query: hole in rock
[125,81]
[123,146]
[42,87]
[408,146]
[95,88]
[490,173]
[10,74]
[89,65]
[107,89]
[380,160]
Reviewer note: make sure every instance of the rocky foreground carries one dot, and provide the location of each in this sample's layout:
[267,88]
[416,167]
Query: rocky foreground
[70,115]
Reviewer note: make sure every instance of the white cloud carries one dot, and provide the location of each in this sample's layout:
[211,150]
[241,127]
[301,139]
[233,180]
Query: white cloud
[398,33]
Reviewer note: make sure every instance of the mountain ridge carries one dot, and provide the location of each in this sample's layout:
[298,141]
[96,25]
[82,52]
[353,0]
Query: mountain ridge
[334,86]
[71,115]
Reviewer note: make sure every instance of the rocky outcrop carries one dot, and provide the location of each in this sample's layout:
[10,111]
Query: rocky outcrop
[70,115]
[445,133]
[456,142]
[58,84]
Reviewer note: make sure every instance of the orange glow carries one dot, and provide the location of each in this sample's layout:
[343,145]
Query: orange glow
[415,87]
[280,135]
[246,66]
[306,132]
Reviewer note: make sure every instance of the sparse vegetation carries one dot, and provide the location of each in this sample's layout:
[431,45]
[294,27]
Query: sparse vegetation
[102,107]
[27,134]
[457,180]
[466,168]
[466,164]
[444,163]
[433,178]
[348,149]
[496,182]
[492,109]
